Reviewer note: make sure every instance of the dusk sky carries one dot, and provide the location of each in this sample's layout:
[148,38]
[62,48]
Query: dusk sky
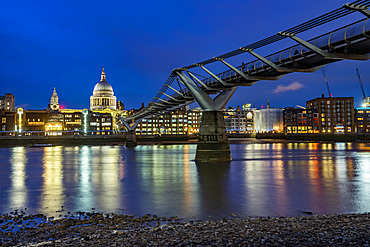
[65,44]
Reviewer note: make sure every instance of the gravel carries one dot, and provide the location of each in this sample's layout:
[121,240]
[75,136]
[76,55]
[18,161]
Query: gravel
[96,229]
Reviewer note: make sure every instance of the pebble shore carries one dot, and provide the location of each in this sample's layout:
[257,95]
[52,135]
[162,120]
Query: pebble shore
[96,229]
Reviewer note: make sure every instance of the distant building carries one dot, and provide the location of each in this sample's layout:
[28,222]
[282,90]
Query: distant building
[54,102]
[7,102]
[98,123]
[298,120]
[247,107]
[7,123]
[175,122]
[336,114]
[268,120]
[34,122]
[100,120]
[103,96]
[363,120]
[238,121]
[120,106]
[194,118]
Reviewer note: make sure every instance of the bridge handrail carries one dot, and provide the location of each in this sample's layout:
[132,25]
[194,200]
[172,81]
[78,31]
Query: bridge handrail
[286,54]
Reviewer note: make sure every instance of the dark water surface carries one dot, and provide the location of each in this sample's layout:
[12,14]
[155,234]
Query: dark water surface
[274,179]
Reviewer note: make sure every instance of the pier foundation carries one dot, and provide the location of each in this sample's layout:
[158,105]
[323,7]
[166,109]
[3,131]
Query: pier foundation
[213,144]
[131,138]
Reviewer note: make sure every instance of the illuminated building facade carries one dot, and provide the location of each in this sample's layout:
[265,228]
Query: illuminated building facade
[72,121]
[99,123]
[363,120]
[268,120]
[7,102]
[175,122]
[103,96]
[33,122]
[239,121]
[298,120]
[66,122]
[336,114]
[7,123]
[101,119]
[194,117]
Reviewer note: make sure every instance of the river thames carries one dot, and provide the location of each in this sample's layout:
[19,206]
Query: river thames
[264,179]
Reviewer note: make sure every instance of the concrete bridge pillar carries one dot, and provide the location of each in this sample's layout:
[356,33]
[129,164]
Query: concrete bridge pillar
[213,144]
[131,132]
[131,138]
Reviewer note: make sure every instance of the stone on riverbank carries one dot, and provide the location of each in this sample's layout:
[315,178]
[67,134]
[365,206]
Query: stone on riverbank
[124,230]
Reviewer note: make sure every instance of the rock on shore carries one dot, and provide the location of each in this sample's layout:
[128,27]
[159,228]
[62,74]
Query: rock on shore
[122,230]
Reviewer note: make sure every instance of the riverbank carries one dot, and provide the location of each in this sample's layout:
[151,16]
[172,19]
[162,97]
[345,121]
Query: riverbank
[37,141]
[70,140]
[121,230]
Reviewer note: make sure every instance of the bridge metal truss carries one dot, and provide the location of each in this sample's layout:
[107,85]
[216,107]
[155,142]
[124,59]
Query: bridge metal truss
[351,42]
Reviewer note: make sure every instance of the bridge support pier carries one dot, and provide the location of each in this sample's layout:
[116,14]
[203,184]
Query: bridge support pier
[131,132]
[213,144]
[131,138]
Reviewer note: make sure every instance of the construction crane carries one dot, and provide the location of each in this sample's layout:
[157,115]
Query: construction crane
[326,82]
[362,87]
[365,101]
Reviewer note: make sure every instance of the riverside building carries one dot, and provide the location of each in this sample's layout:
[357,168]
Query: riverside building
[101,119]
[174,123]
[336,114]
[7,102]
[363,120]
[300,121]
[238,121]
[268,120]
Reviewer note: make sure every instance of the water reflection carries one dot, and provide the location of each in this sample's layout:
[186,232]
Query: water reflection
[18,196]
[362,180]
[85,189]
[52,198]
[264,179]
[214,189]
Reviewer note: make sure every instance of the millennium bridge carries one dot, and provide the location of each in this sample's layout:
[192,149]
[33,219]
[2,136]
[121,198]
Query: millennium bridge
[185,85]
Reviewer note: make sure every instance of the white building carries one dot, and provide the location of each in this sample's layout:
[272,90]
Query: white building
[268,120]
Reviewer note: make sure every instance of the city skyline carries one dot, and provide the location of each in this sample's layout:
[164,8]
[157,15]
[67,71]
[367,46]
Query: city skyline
[66,45]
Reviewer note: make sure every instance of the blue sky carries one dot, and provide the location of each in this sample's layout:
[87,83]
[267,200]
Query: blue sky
[65,44]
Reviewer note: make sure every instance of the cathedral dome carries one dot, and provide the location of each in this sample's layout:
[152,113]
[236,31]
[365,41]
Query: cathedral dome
[103,88]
